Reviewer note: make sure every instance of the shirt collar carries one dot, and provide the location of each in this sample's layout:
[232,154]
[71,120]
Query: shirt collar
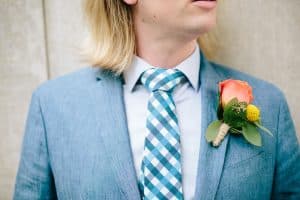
[190,67]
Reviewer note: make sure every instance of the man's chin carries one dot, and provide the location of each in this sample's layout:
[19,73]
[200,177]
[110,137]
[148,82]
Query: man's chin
[202,28]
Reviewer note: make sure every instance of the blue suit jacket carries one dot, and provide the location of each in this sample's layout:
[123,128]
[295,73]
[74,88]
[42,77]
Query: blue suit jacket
[76,143]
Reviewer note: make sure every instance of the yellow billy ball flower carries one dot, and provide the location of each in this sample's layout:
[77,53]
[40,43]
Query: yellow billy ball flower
[252,113]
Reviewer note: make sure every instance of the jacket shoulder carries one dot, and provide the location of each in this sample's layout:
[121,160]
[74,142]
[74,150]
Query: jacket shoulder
[79,79]
[260,87]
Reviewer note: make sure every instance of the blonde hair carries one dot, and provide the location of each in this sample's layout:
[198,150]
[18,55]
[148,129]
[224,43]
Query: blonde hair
[111,41]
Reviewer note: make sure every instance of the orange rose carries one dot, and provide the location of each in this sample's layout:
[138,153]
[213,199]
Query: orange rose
[230,89]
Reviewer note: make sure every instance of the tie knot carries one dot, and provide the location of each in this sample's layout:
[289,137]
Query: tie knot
[162,79]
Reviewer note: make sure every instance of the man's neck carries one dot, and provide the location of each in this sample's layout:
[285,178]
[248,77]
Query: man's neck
[165,52]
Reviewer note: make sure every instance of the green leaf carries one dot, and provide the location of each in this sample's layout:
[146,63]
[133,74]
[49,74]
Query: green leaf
[220,108]
[220,112]
[259,121]
[212,130]
[263,128]
[236,131]
[235,113]
[231,102]
[252,135]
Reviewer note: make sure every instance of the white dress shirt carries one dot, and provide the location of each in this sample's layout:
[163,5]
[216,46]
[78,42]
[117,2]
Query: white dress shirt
[188,107]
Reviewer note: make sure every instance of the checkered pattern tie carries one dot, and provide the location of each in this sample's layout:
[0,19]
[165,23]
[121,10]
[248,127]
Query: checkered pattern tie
[161,169]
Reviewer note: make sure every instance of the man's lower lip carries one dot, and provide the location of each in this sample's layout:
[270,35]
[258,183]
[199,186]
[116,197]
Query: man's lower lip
[205,4]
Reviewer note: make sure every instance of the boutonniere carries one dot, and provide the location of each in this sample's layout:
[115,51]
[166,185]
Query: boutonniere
[236,114]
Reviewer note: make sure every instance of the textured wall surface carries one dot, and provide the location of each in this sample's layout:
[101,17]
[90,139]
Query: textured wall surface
[22,68]
[39,39]
[65,32]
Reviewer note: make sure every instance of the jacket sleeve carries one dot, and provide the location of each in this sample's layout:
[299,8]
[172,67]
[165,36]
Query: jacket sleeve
[34,178]
[287,170]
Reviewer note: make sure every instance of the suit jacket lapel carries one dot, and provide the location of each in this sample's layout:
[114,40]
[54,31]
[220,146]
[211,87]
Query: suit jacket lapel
[211,160]
[115,133]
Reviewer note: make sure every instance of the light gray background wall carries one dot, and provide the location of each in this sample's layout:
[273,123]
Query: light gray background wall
[39,40]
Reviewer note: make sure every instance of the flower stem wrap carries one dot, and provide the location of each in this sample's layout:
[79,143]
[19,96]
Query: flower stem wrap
[224,128]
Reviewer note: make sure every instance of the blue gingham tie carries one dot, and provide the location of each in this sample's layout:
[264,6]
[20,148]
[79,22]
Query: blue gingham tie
[161,168]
